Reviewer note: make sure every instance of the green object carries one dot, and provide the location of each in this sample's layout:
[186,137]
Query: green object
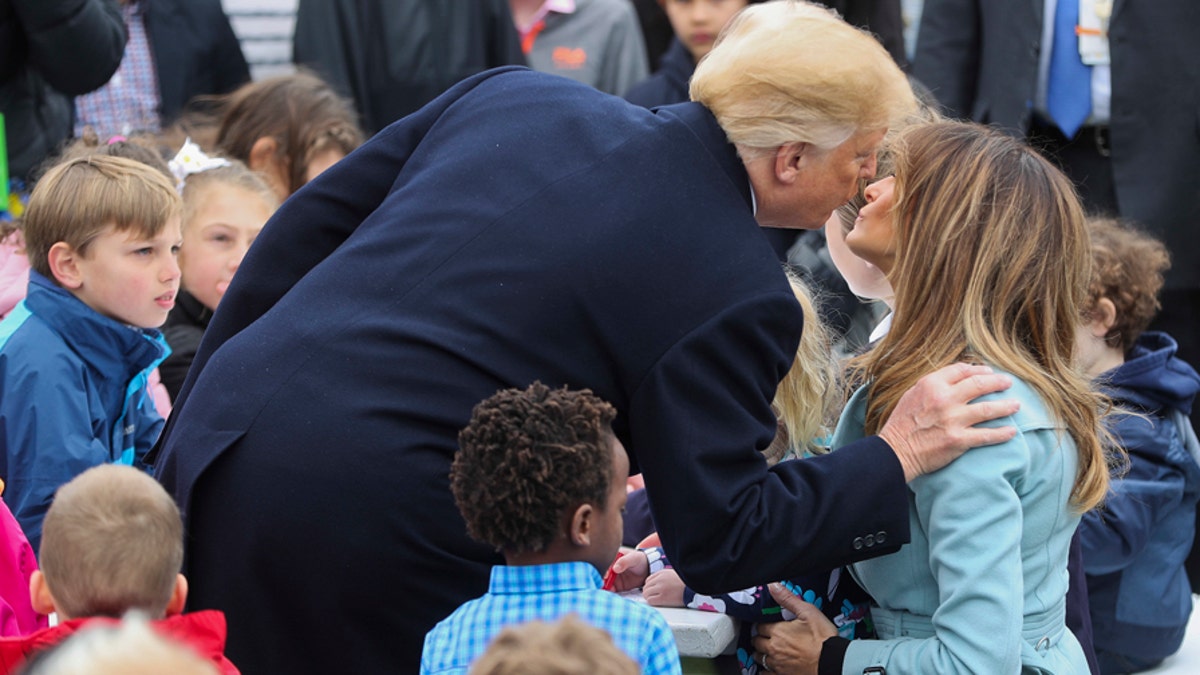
[3,167]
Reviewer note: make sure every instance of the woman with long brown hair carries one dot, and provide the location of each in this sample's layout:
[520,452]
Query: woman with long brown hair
[985,245]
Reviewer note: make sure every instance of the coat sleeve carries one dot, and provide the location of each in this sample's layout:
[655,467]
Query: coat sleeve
[317,220]
[1116,533]
[49,437]
[76,45]
[697,414]
[947,58]
[974,519]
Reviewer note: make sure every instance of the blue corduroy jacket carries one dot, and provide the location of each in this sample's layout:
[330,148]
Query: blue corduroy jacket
[1136,543]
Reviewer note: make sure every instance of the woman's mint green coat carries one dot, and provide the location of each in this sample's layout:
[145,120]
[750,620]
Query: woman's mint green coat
[981,587]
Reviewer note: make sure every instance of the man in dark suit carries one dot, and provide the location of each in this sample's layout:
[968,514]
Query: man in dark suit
[395,56]
[524,227]
[177,50]
[1135,154]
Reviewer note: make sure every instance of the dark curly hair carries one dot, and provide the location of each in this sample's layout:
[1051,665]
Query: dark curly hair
[1127,268]
[526,458]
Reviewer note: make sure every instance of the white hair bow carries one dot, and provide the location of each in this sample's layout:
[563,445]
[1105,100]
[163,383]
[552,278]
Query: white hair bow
[191,159]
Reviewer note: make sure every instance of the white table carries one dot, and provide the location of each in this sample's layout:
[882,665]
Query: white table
[706,635]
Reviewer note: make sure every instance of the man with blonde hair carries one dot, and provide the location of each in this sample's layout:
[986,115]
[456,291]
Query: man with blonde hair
[524,227]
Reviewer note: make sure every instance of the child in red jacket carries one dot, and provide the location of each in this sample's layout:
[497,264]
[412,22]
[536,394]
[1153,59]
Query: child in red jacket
[112,542]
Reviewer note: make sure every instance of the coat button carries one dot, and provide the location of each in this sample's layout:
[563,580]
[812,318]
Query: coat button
[858,543]
[869,540]
[880,537]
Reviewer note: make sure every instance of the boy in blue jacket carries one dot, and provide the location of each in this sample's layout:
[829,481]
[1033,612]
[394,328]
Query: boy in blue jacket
[1135,544]
[102,235]
[540,476]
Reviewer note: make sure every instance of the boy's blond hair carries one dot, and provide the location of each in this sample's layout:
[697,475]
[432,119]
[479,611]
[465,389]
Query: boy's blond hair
[112,541]
[566,647]
[79,199]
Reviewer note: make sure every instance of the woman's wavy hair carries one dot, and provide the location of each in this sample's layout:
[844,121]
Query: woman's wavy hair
[992,265]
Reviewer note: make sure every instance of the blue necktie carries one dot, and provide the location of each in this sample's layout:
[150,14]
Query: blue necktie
[1069,87]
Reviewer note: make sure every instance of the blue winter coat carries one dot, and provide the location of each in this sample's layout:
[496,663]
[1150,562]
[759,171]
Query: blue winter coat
[1136,543]
[72,396]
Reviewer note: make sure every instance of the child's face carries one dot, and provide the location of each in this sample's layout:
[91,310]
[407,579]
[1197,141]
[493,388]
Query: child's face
[872,237]
[610,521]
[129,278]
[216,239]
[697,22]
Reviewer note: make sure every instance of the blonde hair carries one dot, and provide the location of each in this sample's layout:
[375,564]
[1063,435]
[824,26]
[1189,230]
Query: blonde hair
[79,199]
[112,541]
[992,264]
[808,396]
[566,647]
[235,174]
[128,648]
[787,71]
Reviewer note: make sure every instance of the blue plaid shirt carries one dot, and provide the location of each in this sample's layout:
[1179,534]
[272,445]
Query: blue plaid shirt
[547,593]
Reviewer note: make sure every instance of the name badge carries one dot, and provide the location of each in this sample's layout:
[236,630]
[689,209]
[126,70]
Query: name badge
[1093,31]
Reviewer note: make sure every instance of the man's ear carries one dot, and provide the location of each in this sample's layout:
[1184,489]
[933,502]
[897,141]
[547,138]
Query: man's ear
[39,594]
[178,596]
[64,265]
[788,160]
[580,532]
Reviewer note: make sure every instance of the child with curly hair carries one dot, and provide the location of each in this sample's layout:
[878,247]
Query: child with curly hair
[540,476]
[1134,547]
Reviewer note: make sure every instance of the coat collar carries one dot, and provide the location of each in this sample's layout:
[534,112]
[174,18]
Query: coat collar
[704,125]
[108,346]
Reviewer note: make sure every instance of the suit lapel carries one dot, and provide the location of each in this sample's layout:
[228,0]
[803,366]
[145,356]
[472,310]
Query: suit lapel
[162,26]
[1117,5]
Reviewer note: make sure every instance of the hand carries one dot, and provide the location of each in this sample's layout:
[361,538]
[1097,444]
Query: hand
[793,647]
[664,588]
[630,571]
[934,422]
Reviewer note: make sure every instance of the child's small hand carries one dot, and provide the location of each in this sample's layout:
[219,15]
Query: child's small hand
[630,571]
[664,588]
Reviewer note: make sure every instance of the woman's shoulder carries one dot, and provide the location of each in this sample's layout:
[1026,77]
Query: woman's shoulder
[1034,413]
